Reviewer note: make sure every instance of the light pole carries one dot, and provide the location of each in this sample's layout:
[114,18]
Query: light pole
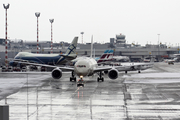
[6,54]
[158,43]
[51,21]
[82,36]
[158,46]
[37,15]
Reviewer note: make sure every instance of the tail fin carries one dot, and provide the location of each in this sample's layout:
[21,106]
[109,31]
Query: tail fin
[71,51]
[91,45]
[106,56]
[110,56]
[103,56]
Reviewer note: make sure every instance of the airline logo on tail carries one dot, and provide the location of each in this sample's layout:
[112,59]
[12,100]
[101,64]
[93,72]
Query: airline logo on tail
[72,48]
[106,56]
[70,52]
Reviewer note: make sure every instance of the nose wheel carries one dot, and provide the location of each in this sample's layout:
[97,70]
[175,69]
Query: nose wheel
[100,77]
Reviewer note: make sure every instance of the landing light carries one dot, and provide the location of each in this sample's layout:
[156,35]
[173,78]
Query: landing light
[81,76]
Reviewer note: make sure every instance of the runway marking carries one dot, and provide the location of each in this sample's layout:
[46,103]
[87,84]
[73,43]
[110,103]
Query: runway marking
[77,89]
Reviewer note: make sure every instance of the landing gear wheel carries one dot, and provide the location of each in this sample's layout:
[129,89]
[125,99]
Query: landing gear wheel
[100,77]
[126,72]
[73,79]
[139,71]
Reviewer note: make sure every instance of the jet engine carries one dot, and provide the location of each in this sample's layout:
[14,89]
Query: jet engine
[56,73]
[113,73]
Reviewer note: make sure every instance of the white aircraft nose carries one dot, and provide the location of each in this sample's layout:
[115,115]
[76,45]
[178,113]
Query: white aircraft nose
[82,68]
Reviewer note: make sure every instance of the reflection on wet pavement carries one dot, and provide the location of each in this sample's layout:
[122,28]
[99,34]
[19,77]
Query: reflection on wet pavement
[148,95]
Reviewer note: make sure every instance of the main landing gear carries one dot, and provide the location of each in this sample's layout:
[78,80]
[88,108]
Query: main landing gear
[73,78]
[100,77]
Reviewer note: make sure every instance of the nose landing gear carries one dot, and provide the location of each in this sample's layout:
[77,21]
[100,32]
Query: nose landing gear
[100,77]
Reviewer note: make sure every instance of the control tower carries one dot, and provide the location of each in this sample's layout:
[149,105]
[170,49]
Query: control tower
[120,39]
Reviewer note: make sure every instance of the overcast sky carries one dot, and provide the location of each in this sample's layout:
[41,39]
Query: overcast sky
[140,20]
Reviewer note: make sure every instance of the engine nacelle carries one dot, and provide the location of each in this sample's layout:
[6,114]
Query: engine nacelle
[113,74]
[56,73]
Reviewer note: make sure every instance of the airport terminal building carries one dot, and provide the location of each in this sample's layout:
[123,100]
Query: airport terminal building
[118,44]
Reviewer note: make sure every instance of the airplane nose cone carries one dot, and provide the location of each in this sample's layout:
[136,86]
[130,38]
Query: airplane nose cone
[82,68]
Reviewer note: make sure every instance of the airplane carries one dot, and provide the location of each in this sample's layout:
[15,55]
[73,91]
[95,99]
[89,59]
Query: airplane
[50,59]
[86,66]
[137,66]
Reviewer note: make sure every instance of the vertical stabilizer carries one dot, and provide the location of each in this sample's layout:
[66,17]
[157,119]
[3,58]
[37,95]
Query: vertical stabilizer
[72,48]
[91,45]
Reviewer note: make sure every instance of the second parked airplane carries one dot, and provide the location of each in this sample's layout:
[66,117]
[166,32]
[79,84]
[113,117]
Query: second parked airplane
[50,59]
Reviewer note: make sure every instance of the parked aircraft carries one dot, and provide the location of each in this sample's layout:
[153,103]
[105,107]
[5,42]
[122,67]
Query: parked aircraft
[50,59]
[106,56]
[136,66]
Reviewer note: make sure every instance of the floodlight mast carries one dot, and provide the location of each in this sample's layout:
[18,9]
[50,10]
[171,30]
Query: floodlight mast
[37,15]
[82,36]
[51,21]
[6,54]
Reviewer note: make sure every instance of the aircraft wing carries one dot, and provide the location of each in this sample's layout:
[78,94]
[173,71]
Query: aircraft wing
[99,69]
[139,66]
[50,66]
[105,62]
[125,67]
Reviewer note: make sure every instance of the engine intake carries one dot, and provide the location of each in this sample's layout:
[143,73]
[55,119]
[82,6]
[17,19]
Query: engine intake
[113,74]
[56,73]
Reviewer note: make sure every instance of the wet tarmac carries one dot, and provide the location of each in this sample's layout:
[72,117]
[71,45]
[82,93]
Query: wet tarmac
[151,94]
